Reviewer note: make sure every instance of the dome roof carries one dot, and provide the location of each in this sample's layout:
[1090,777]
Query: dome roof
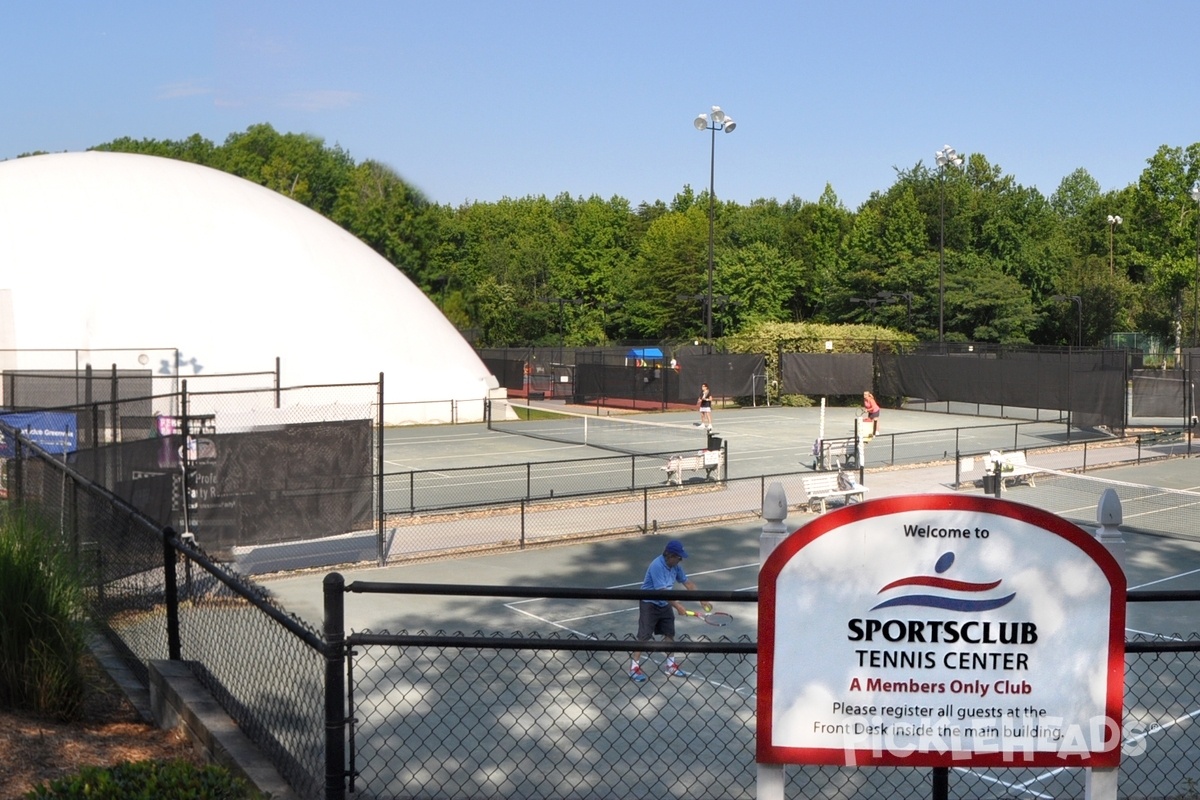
[137,256]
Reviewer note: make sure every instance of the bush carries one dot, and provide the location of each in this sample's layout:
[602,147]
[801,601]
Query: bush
[42,639]
[149,780]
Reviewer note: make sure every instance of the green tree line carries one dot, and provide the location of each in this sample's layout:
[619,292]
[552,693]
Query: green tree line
[589,271]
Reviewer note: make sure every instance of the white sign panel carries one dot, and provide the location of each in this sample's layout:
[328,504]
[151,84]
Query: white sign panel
[941,630]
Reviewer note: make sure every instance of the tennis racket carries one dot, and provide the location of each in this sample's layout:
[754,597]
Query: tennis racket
[718,619]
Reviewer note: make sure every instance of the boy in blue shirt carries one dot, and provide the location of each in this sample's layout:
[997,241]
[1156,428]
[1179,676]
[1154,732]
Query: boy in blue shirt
[658,616]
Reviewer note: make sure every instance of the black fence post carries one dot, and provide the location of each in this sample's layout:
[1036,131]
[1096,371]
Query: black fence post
[171,593]
[114,407]
[335,686]
[941,783]
[380,541]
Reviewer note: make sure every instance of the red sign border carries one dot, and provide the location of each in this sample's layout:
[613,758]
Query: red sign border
[766,753]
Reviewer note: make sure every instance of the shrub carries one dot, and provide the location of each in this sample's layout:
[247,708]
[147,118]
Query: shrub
[149,780]
[42,639]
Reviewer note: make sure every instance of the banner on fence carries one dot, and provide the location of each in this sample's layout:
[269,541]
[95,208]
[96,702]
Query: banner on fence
[53,431]
[952,631]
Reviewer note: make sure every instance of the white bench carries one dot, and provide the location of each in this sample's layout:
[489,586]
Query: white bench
[1013,467]
[833,453]
[820,488]
[706,460]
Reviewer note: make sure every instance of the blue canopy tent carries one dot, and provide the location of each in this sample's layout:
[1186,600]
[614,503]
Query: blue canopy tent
[644,357]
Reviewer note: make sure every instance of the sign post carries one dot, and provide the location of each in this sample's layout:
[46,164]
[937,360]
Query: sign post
[953,630]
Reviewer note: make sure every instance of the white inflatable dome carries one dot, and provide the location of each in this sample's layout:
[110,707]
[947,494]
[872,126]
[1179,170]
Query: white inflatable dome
[151,263]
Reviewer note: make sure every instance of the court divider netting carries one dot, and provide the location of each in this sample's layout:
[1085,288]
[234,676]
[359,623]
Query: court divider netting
[1152,509]
[617,434]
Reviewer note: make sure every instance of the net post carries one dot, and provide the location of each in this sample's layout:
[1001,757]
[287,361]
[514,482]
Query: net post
[1109,515]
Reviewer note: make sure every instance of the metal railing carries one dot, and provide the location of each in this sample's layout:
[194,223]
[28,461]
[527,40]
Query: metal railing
[555,716]
[526,715]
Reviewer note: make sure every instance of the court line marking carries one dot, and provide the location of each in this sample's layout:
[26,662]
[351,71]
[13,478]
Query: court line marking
[1164,580]
[513,606]
[1125,741]
[1167,636]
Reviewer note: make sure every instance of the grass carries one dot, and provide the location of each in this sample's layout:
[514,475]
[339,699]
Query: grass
[526,412]
[148,780]
[42,634]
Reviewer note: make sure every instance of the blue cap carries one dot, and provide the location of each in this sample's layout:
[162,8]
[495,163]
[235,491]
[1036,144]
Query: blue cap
[675,547]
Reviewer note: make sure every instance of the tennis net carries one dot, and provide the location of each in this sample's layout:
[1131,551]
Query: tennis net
[617,434]
[1153,509]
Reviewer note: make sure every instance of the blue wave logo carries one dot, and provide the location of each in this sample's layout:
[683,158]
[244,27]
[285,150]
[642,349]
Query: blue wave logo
[953,596]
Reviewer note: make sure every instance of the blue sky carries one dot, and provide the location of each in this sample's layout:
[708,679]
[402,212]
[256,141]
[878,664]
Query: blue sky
[484,100]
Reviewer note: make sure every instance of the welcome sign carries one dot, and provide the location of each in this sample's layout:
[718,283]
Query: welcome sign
[941,630]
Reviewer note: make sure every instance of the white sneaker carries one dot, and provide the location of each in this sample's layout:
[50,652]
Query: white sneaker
[674,671]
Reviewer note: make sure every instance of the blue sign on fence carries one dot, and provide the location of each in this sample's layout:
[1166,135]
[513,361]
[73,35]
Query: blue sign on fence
[53,431]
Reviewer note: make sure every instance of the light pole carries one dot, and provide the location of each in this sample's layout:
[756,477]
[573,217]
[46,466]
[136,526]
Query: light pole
[945,157]
[1113,221]
[719,121]
[1078,301]
[1196,285]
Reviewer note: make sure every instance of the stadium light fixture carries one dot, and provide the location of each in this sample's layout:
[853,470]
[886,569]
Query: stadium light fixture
[946,157]
[1113,221]
[717,120]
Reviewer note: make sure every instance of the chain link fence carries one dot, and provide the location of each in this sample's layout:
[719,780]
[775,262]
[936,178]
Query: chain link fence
[533,715]
[524,715]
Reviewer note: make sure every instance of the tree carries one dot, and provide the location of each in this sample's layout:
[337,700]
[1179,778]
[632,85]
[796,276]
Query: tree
[664,292]
[983,304]
[380,209]
[756,281]
[1075,193]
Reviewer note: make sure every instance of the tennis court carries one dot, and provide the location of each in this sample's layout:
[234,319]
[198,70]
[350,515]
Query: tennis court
[466,720]
[434,467]
[446,693]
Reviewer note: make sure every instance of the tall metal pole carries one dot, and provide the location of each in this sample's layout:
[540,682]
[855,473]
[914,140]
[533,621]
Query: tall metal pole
[1113,221]
[945,157]
[719,121]
[942,259]
[1110,247]
[1196,285]
[712,167]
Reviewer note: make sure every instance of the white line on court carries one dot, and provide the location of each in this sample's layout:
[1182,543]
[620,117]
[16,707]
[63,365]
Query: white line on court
[1164,580]
[559,624]
[1128,740]
[1152,583]
[1167,636]
[550,622]
[1018,788]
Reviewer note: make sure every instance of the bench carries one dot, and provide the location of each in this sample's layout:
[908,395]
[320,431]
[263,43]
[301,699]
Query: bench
[820,488]
[1013,467]
[706,460]
[833,453]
